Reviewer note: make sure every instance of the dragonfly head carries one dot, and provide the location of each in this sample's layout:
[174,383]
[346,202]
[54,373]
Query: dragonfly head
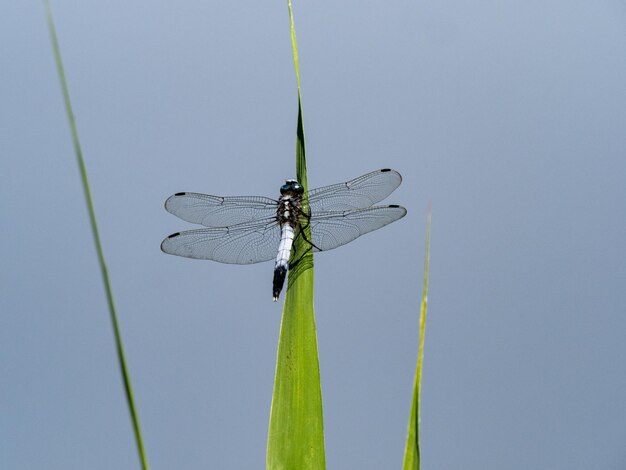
[291,187]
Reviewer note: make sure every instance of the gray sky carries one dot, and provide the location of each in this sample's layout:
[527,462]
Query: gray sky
[509,116]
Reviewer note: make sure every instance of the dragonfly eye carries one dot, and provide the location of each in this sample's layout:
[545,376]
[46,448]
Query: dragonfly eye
[291,186]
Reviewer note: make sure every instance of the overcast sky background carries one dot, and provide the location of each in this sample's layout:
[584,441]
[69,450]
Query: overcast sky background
[509,116]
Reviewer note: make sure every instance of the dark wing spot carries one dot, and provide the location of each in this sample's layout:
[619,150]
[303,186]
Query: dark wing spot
[174,235]
[390,205]
[180,194]
[385,170]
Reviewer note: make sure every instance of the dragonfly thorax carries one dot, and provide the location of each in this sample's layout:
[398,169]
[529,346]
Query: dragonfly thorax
[289,209]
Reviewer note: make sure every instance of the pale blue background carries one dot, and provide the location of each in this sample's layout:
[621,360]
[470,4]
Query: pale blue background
[509,116]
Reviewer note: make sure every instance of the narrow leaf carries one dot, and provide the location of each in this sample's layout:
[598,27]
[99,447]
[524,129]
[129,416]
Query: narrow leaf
[296,429]
[96,237]
[412,449]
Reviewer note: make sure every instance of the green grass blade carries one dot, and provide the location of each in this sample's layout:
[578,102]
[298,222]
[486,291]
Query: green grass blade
[96,237]
[296,428]
[296,62]
[412,449]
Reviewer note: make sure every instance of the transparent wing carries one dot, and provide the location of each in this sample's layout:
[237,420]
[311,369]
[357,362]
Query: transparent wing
[358,193]
[216,211]
[245,243]
[331,229]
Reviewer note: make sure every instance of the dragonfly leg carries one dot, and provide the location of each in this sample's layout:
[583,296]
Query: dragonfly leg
[301,231]
[310,246]
[295,262]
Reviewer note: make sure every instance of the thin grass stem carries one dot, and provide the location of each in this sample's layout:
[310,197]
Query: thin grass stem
[96,237]
[412,449]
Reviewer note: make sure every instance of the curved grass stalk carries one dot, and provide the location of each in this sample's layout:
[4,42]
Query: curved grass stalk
[96,237]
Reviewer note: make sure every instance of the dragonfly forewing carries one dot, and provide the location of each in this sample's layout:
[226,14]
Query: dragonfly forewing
[359,193]
[217,211]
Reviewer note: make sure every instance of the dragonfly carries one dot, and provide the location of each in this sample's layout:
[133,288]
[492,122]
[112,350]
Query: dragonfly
[252,229]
